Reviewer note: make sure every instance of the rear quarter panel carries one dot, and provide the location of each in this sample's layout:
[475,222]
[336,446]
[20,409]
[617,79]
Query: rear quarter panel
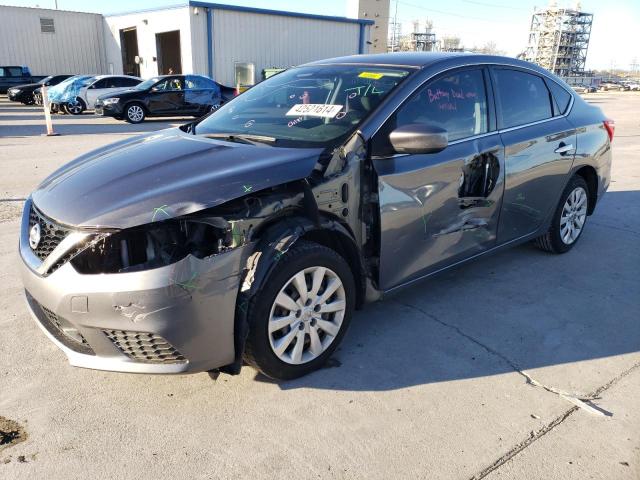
[593,146]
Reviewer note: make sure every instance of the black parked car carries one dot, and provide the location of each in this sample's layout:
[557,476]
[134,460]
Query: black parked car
[26,93]
[165,96]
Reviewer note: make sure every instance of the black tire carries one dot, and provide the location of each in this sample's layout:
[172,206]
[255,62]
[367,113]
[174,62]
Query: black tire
[77,108]
[552,240]
[258,351]
[132,117]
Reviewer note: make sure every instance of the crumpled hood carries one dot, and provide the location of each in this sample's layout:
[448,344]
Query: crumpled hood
[161,175]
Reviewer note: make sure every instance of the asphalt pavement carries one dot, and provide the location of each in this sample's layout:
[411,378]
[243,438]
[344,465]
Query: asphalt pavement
[520,365]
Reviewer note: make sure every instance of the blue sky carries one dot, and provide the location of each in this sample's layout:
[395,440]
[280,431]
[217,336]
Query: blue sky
[476,21]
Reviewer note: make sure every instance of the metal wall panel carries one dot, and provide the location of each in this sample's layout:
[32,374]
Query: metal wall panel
[199,50]
[276,41]
[77,46]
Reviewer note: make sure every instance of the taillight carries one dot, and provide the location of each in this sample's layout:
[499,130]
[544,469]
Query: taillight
[610,127]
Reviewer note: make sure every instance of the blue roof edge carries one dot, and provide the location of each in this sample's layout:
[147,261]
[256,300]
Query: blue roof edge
[236,8]
[284,13]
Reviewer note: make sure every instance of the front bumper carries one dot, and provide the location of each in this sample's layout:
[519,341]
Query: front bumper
[109,110]
[16,96]
[173,319]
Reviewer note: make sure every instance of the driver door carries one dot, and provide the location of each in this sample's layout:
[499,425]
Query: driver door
[167,97]
[437,209]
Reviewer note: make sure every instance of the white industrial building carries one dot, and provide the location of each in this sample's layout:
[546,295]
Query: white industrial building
[229,43]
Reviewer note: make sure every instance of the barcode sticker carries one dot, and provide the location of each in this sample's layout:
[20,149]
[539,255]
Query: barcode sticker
[314,110]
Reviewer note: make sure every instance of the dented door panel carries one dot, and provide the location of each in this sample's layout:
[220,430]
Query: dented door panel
[535,175]
[436,209]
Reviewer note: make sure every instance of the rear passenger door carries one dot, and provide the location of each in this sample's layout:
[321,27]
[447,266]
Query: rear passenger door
[539,148]
[200,94]
[440,208]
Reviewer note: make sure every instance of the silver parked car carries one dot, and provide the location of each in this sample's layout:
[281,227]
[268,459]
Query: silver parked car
[254,233]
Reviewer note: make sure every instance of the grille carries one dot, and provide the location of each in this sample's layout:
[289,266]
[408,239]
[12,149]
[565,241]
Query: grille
[60,328]
[51,233]
[144,347]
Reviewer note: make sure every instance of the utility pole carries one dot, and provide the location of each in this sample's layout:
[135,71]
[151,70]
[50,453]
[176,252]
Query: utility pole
[395,27]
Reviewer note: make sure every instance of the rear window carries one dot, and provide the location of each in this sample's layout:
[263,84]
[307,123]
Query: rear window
[523,97]
[128,82]
[561,97]
[194,82]
[10,72]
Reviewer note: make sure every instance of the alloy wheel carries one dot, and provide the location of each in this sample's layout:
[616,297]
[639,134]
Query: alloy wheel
[306,315]
[574,214]
[74,108]
[135,113]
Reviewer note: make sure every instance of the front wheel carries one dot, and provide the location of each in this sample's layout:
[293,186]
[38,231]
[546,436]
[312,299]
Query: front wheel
[569,219]
[76,107]
[301,315]
[134,113]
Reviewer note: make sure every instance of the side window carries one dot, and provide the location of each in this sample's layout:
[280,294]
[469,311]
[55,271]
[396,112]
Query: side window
[456,102]
[561,96]
[128,82]
[522,97]
[15,71]
[101,83]
[194,82]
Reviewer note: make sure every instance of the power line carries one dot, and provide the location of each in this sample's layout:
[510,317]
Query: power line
[449,13]
[494,5]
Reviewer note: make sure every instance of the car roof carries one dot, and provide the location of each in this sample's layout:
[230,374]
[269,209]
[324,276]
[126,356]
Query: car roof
[427,59]
[172,75]
[100,77]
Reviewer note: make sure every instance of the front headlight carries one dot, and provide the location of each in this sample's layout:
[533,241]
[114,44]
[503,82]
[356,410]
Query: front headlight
[110,101]
[14,90]
[155,245]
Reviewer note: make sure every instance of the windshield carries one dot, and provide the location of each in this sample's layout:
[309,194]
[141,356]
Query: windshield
[45,80]
[315,106]
[146,84]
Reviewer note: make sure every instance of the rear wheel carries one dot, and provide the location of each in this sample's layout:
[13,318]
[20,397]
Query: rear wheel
[569,219]
[134,113]
[300,317]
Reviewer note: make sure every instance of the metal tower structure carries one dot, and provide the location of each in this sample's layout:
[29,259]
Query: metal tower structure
[559,39]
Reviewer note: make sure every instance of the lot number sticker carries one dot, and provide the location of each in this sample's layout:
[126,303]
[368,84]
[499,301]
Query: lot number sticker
[314,110]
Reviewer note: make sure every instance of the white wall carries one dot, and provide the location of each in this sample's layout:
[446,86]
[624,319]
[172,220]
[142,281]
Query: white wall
[275,41]
[77,46]
[156,22]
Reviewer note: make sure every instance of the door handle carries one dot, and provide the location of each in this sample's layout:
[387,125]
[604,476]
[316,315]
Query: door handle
[564,148]
[473,223]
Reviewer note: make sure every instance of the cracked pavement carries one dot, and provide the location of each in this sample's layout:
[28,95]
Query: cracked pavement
[522,365]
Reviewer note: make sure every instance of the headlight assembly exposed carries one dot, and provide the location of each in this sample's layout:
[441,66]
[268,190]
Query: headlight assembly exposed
[110,101]
[155,245]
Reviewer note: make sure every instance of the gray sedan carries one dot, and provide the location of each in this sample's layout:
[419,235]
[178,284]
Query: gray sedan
[254,233]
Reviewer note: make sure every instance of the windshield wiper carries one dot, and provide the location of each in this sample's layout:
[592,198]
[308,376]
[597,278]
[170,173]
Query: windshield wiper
[241,138]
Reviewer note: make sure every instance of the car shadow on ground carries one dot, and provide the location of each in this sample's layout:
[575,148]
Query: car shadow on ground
[21,118]
[519,309]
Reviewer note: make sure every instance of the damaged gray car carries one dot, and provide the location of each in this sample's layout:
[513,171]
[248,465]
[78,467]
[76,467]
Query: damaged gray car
[253,234]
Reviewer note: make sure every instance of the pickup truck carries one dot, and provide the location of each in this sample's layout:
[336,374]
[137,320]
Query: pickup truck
[12,75]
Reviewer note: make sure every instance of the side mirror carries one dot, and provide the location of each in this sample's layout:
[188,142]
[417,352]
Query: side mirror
[419,138]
